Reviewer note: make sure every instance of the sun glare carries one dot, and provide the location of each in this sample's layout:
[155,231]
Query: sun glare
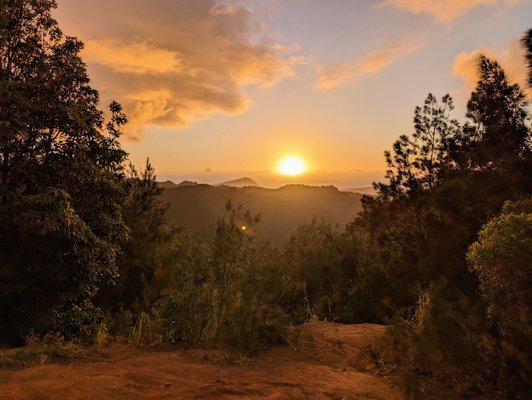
[291,165]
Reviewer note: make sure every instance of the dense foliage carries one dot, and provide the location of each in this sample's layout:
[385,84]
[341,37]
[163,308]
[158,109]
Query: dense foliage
[71,218]
[61,178]
[460,322]
[197,207]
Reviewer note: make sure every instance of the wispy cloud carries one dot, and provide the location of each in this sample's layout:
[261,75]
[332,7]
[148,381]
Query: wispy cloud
[443,10]
[174,62]
[333,76]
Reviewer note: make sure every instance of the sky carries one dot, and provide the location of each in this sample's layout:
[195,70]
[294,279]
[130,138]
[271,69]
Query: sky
[218,90]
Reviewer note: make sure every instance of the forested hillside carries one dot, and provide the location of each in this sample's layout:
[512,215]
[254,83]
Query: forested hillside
[281,211]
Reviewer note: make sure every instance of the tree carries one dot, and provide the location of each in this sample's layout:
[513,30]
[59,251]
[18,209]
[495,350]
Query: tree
[445,344]
[498,130]
[417,163]
[150,236]
[527,44]
[404,225]
[61,179]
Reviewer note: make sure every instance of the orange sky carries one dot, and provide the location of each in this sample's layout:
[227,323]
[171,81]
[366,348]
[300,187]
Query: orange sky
[218,90]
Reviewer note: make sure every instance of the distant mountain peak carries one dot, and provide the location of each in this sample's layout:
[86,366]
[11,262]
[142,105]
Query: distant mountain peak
[187,183]
[239,183]
[170,185]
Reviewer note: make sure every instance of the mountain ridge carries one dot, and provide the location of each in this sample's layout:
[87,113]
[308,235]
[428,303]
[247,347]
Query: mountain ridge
[197,208]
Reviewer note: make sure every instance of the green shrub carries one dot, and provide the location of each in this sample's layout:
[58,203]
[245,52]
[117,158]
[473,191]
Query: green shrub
[502,259]
[49,349]
[444,351]
[460,345]
[224,293]
[147,331]
[314,259]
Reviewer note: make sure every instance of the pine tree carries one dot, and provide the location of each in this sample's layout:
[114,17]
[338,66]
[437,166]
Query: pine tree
[498,129]
[418,162]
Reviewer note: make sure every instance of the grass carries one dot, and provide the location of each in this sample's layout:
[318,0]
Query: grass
[48,350]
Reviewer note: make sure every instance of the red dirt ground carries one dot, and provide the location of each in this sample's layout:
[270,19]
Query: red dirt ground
[326,362]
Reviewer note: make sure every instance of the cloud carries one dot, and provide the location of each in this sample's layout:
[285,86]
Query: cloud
[373,63]
[173,62]
[136,58]
[443,10]
[510,57]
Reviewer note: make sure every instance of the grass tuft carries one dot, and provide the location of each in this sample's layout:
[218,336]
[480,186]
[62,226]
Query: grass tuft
[51,349]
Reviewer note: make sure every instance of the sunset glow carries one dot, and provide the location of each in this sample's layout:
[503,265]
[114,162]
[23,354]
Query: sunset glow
[204,80]
[292,166]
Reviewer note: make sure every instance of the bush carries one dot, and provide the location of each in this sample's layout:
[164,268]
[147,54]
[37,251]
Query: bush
[38,351]
[314,260]
[444,351]
[502,259]
[460,345]
[225,293]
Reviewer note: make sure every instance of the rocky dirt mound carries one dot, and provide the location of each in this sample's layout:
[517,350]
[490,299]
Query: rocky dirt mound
[325,361]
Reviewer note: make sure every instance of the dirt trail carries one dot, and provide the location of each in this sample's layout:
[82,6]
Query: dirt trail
[326,362]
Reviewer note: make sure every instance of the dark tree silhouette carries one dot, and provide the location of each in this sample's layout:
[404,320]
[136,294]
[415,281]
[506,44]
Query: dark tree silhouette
[417,163]
[498,128]
[61,178]
[421,225]
[144,215]
[527,44]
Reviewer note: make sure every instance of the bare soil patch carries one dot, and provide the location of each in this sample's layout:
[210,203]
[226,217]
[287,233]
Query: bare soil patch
[326,361]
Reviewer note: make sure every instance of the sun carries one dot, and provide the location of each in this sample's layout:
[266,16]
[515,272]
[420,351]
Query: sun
[292,166]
